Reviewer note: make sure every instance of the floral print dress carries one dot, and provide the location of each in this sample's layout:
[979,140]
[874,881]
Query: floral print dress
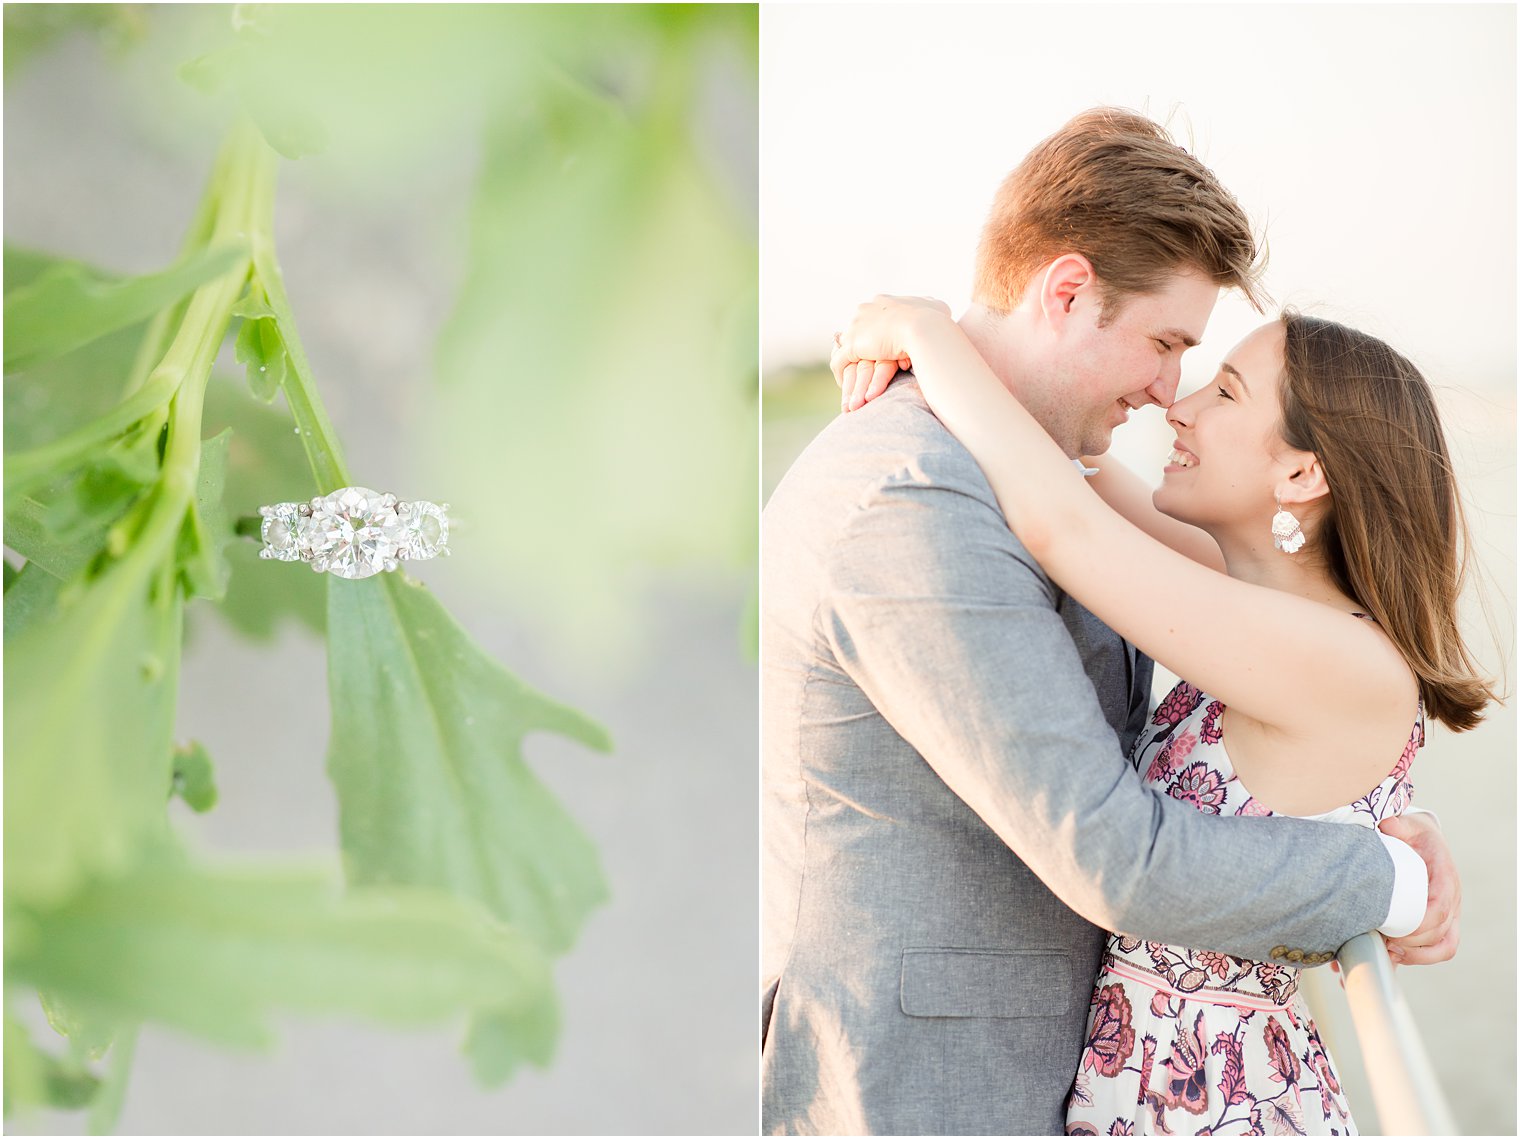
[1185,1041]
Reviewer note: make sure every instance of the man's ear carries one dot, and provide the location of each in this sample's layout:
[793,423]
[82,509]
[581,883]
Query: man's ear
[1305,480]
[1068,281]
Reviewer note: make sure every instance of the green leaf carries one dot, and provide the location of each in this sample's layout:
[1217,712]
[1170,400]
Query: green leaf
[88,1039]
[260,346]
[596,334]
[89,738]
[55,397]
[217,951]
[31,599]
[59,397]
[71,304]
[252,70]
[81,447]
[32,30]
[25,1068]
[23,265]
[207,529]
[213,73]
[286,124]
[27,532]
[498,1045]
[263,595]
[102,491]
[194,781]
[253,304]
[37,1078]
[69,1087]
[426,756]
[266,463]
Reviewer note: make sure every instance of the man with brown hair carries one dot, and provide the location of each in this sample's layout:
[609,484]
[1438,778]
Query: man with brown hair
[950,822]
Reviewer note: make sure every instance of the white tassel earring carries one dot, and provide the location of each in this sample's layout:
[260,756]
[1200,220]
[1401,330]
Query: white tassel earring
[1287,533]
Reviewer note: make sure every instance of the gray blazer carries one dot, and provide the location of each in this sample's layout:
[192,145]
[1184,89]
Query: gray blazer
[950,822]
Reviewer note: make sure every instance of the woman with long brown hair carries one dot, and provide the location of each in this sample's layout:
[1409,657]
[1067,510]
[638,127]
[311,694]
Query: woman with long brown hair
[1299,567]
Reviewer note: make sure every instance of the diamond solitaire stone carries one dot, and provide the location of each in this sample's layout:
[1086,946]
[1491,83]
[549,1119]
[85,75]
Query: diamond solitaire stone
[280,531]
[425,530]
[354,533]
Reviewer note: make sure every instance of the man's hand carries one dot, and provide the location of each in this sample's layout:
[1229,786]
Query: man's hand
[1437,938]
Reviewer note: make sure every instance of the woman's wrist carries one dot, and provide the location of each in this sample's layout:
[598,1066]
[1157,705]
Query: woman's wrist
[923,329]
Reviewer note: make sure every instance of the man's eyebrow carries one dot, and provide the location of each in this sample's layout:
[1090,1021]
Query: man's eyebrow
[1178,334]
[1239,379]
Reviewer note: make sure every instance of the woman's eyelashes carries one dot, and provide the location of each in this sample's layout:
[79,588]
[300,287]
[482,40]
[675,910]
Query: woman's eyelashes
[1226,395]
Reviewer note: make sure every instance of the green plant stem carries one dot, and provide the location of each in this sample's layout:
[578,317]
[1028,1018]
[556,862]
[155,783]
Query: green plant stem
[106,1108]
[245,166]
[147,560]
[197,238]
[323,450]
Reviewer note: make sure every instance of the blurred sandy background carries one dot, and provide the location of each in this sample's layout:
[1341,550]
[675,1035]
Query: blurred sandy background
[1377,143]
[658,996]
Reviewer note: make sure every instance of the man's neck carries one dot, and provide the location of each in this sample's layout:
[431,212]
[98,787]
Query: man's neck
[989,333]
[996,337]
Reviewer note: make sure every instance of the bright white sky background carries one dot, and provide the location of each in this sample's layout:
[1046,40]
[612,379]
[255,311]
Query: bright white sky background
[1376,141]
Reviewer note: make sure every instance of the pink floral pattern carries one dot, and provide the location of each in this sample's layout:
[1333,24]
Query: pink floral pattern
[1280,1054]
[1201,786]
[1110,1039]
[1196,1042]
[1210,731]
[1187,1079]
[1178,705]
[1169,758]
[1233,1083]
[1254,808]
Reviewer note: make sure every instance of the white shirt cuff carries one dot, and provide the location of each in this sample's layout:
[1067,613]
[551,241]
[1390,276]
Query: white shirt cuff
[1411,889]
[1435,818]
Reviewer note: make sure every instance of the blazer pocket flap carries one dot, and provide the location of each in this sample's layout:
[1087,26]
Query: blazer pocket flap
[985,982]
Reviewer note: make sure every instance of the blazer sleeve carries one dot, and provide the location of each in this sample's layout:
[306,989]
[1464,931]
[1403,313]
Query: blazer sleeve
[948,626]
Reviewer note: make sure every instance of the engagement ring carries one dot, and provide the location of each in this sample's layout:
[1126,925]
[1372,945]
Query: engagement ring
[354,532]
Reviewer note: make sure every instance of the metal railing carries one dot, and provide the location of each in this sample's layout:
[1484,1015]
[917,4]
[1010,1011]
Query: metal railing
[1405,1093]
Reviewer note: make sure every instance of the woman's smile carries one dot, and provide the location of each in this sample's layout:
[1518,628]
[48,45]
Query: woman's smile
[1180,459]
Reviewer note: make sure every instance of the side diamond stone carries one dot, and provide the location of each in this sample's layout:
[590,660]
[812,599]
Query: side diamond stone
[281,532]
[425,530]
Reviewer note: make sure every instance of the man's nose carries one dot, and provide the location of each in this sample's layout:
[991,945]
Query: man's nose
[1163,390]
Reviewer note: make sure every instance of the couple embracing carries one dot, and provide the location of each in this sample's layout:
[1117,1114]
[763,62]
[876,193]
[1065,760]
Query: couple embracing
[1004,894]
